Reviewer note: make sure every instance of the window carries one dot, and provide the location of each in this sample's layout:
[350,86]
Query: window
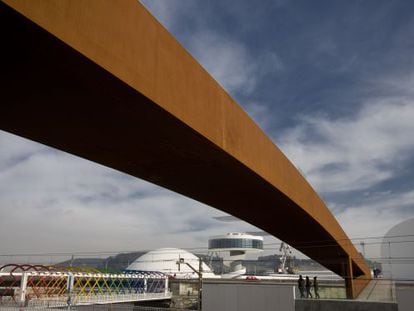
[235,243]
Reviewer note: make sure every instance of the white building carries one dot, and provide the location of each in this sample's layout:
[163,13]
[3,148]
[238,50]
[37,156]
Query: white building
[233,247]
[171,261]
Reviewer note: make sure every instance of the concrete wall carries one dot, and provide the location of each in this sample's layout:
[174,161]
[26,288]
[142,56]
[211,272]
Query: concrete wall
[106,307]
[247,297]
[405,298]
[327,292]
[343,305]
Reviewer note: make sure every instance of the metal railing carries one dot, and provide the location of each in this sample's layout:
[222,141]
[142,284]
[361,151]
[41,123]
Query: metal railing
[46,289]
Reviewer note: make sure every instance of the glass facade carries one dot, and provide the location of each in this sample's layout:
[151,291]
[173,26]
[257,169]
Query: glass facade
[235,243]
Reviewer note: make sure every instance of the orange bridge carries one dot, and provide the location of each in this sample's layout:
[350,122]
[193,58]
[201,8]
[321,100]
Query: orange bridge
[105,81]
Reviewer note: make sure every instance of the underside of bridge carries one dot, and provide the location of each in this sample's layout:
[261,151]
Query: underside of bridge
[105,81]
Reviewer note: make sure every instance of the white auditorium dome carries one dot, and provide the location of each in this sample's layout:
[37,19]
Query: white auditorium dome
[165,260]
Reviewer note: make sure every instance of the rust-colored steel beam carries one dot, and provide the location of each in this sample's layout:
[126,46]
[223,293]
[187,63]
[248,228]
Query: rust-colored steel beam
[105,81]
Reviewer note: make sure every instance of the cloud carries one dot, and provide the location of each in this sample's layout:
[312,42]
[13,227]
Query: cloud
[165,11]
[233,66]
[15,151]
[374,216]
[55,202]
[227,218]
[357,152]
[231,63]
[227,60]
[259,112]
[348,158]
[380,210]
[238,68]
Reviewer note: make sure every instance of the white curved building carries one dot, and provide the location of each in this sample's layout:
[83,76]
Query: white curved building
[396,244]
[237,244]
[167,260]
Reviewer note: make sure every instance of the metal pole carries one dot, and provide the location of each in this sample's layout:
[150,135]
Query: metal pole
[390,265]
[166,286]
[389,258]
[23,286]
[69,288]
[363,248]
[200,282]
[179,263]
[200,277]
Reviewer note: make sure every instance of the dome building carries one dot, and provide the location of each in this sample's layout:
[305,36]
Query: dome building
[171,261]
[397,251]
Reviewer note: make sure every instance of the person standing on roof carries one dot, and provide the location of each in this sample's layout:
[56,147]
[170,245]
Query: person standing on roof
[301,285]
[308,285]
[316,287]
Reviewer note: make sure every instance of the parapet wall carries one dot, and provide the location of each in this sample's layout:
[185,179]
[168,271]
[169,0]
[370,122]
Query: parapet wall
[343,305]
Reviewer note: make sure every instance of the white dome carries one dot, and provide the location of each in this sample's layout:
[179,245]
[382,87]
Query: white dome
[395,244]
[165,260]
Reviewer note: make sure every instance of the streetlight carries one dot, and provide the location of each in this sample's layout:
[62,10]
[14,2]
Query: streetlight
[199,273]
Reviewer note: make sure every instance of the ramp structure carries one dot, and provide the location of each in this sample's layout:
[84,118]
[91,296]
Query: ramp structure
[105,81]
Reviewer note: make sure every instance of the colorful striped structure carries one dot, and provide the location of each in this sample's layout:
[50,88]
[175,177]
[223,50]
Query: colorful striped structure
[29,286]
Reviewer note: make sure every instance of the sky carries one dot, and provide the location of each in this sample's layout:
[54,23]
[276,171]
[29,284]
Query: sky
[331,82]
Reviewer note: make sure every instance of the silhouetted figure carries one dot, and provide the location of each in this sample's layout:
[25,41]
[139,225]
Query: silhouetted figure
[301,285]
[308,285]
[316,287]
[377,273]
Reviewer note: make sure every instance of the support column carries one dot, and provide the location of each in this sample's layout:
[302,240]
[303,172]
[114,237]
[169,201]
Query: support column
[349,279]
[166,286]
[69,288]
[23,287]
